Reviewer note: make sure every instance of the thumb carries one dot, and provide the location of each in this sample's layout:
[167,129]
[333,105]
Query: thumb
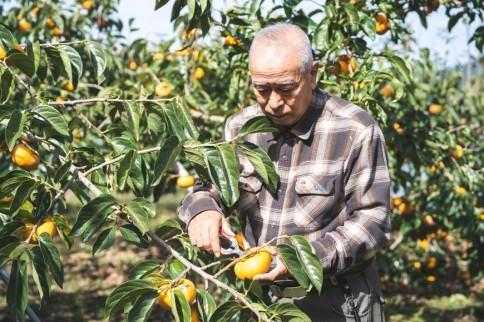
[226,230]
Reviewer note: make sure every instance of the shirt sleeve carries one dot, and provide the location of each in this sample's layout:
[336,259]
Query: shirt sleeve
[367,219]
[203,197]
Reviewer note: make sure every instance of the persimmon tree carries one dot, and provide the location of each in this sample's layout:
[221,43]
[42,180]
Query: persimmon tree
[84,111]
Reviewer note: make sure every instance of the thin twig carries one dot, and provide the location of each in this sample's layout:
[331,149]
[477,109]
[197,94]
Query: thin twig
[179,277]
[119,158]
[65,43]
[90,125]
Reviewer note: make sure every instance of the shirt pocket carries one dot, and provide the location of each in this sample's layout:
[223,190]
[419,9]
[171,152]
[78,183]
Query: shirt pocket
[250,187]
[314,197]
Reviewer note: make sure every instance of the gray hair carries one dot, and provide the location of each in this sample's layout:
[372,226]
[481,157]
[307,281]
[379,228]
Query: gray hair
[282,36]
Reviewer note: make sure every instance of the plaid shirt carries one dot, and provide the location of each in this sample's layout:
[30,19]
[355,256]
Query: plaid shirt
[334,187]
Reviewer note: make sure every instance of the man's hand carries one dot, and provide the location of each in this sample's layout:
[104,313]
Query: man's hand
[204,230]
[280,271]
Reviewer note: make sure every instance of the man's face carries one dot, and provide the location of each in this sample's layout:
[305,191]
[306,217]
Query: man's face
[282,91]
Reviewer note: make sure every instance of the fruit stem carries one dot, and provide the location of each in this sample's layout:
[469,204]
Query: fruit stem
[179,277]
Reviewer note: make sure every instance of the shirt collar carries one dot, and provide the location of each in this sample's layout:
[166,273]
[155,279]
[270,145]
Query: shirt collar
[304,127]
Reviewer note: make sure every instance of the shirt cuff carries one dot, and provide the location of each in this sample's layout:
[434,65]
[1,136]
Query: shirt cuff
[199,206]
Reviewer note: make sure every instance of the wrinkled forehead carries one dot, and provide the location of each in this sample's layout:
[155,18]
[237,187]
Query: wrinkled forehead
[270,65]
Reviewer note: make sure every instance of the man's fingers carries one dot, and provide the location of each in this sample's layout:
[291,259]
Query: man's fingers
[214,240]
[271,275]
[226,229]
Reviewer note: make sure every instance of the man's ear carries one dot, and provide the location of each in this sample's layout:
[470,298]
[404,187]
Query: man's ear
[314,74]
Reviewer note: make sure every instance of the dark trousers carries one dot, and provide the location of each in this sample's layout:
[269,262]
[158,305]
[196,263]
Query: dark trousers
[331,306]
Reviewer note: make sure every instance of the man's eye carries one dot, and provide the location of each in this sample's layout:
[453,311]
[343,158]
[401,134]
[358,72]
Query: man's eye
[262,89]
[286,90]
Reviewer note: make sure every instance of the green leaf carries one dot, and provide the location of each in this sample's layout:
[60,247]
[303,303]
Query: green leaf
[52,258]
[17,290]
[135,111]
[12,180]
[225,312]
[196,156]
[156,124]
[98,59]
[43,201]
[6,86]
[175,10]
[39,273]
[54,118]
[8,245]
[105,240]
[168,229]
[401,66]
[288,312]
[367,24]
[138,214]
[160,3]
[127,292]
[224,171]
[181,308]
[293,264]
[258,124]
[8,228]
[33,51]
[133,235]
[230,163]
[125,167]
[310,262]
[174,269]
[262,164]
[180,121]
[142,307]
[206,304]
[62,171]
[15,127]
[203,5]
[122,144]
[75,62]
[93,215]
[23,193]
[167,155]
[352,15]
[192,6]
[58,62]
[144,268]
[23,62]
[7,37]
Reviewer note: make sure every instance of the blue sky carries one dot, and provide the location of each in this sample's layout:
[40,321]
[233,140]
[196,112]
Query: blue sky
[448,48]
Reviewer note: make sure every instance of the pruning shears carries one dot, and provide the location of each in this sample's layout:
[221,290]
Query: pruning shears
[229,244]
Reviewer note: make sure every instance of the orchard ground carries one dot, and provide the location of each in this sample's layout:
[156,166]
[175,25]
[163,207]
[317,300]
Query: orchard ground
[90,279]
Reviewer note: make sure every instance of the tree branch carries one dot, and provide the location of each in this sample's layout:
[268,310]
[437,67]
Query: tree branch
[238,296]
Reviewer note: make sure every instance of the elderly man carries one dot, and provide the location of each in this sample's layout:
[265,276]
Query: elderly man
[334,188]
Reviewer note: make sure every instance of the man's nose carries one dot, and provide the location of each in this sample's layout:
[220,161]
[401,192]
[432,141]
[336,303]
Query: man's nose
[275,100]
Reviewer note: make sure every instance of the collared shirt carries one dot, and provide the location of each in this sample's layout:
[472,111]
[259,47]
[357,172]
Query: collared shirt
[334,183]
